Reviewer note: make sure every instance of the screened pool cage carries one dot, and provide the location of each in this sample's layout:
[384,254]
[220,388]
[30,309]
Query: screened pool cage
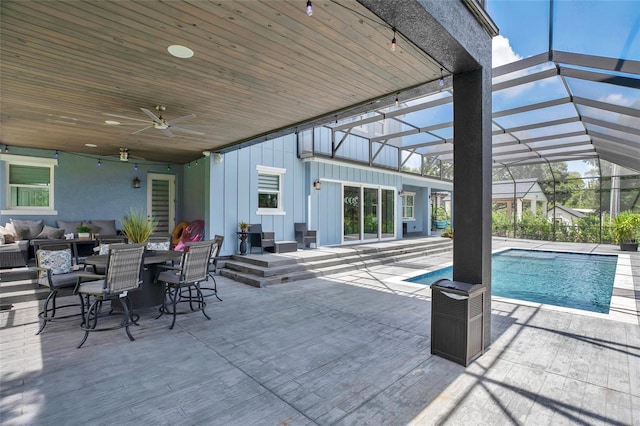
[573,201]
[565,129]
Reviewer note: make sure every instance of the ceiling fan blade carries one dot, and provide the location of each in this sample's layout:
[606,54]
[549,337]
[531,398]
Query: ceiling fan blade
[152,115]
[198,126]
[183,130]
[167,132]
[180,119]
[122,116]
[127,124]
[138,131]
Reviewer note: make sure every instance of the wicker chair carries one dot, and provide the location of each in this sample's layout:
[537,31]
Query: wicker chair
[305,236]
[57,268]
[260,239]
[193,270]
[213,267]
[122,275]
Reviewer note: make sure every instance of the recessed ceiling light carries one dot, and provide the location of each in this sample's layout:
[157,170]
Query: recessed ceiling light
[111,122]
[180,51]
[91,145]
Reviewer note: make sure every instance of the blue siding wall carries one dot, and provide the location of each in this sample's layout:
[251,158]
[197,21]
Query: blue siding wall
[233,193]
[326,204]
[84,191]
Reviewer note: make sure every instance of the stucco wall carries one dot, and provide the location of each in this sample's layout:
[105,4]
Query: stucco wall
[84,191]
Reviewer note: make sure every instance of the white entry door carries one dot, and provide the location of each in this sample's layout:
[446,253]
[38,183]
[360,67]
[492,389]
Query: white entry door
[161,201]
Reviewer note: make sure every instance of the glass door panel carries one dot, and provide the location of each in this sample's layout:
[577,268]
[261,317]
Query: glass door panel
[351,202]
[387,221]
[370,214]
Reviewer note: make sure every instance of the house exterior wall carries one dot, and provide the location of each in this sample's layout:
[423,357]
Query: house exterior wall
[84,191]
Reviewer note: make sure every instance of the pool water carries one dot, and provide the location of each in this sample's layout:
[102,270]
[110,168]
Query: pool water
[571,280]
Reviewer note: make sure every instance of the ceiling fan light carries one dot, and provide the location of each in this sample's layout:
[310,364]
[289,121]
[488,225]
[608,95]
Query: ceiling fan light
[180,51]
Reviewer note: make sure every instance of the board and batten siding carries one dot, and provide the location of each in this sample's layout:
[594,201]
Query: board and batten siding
[326,204]
[234,190]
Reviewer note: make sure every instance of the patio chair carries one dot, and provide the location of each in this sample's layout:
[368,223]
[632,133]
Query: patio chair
[213,266]
[123,274]
[57,268]
[305,236]
[193,269]
[101,249]
[260,239]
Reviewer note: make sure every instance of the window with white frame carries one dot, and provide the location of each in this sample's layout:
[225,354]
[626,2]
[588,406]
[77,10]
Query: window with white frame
[407,205]
[29,184]
[270,190]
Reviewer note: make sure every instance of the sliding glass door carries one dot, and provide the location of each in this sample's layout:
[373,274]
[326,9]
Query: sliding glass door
[368,213]
[351,201]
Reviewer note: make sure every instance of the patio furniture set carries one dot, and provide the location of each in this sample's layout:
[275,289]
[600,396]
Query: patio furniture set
[267,241]
[129,277]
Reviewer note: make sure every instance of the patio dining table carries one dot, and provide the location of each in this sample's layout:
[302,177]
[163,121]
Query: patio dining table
[149,294]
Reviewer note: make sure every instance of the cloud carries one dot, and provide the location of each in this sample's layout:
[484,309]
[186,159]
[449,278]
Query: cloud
[617,99]
[502,52]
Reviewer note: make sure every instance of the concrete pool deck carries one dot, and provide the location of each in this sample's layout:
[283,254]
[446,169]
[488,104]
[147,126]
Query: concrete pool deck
[349,349]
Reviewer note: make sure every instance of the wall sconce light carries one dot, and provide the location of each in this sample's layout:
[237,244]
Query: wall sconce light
[401,193]
[316,184]
[136,182]
[217,158]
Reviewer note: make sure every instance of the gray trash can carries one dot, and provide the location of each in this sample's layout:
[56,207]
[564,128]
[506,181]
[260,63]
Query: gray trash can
[457,320]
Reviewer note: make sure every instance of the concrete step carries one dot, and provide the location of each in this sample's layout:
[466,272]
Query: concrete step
[262,272]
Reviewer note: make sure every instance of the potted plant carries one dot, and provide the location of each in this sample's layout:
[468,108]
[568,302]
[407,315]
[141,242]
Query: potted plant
[439,218]
[243,226]
[447,233]
[83,231]
[137,227]
[626,228]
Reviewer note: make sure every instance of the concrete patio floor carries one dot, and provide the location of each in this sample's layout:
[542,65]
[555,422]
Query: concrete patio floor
[349,349]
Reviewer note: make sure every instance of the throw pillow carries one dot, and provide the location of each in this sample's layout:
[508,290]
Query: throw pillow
[94,228]
[27,229]
[69,227]
[7,234]
[51,233]
[59,261]
[104,249]
[165,245]
[107,227]
[1,238]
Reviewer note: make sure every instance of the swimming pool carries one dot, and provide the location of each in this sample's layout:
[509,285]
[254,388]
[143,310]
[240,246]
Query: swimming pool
[573,280]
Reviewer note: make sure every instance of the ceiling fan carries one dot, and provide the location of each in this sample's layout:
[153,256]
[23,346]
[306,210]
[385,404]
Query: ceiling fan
[157,122]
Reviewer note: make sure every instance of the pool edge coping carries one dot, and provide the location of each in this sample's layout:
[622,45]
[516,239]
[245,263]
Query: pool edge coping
[621,308]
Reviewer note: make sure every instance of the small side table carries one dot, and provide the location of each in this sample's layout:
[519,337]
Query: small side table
[242,236]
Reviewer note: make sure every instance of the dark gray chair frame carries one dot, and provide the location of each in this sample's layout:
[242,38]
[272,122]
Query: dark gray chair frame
[56,283]
[123,274]
[305,236]
[213,266]
[258,238]
[193,269]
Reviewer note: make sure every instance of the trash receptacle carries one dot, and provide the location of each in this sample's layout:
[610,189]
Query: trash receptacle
[457,320]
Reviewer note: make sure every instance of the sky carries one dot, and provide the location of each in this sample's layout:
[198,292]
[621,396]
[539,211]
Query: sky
[609,28]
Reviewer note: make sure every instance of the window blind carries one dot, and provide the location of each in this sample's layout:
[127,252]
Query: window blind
[29,175]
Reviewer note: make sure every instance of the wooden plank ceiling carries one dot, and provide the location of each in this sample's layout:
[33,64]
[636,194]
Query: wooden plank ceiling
[258,66]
